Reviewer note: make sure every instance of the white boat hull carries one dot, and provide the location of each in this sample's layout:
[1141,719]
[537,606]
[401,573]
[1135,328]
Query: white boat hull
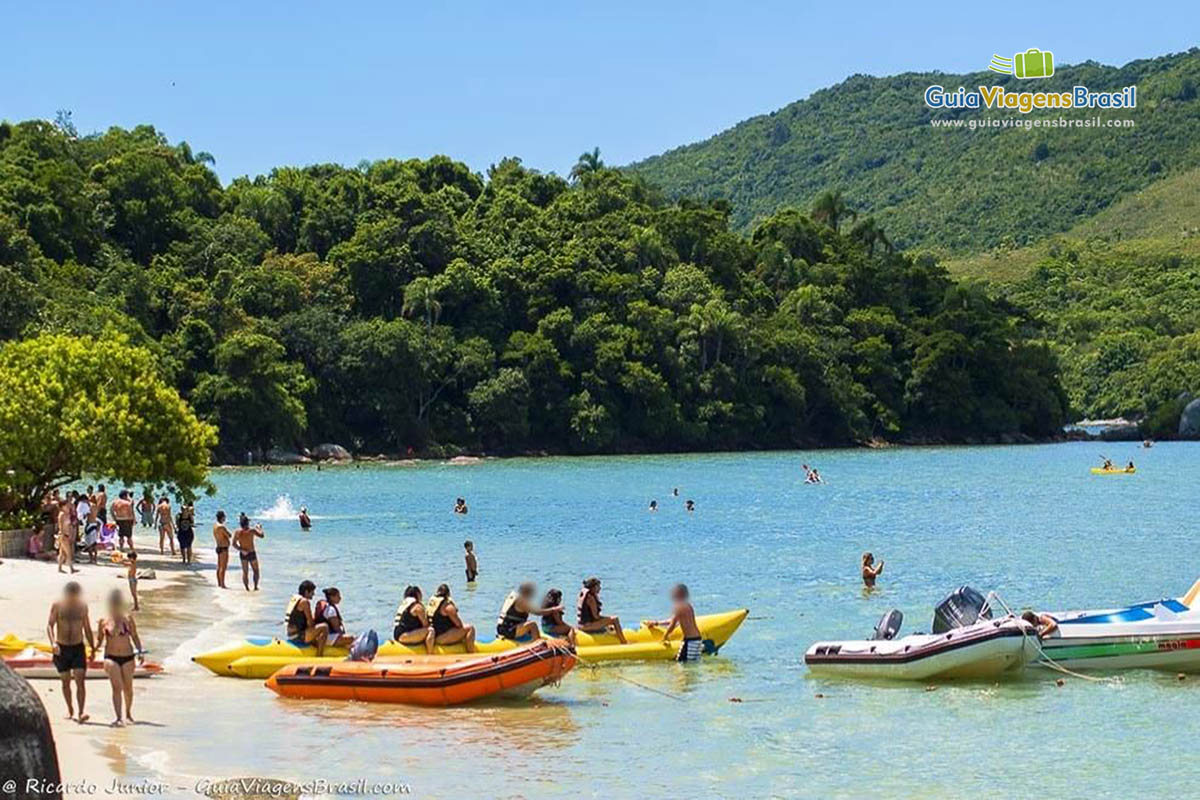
[1163,635]
[984,650]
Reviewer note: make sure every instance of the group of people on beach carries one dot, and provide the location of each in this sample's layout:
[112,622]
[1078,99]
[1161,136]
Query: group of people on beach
[74,647]
[77,522]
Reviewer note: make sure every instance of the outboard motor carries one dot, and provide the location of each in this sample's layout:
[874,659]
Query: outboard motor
[963,607]
[889,625]
[364,647]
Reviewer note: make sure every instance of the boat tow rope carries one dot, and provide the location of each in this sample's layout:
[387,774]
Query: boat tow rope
[594,665]
[1050,662]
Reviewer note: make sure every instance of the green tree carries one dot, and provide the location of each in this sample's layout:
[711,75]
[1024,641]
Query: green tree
[587,164]
[80,406]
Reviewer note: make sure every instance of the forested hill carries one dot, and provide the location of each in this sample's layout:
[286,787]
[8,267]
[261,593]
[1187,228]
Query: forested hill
[414,304]
[942,189]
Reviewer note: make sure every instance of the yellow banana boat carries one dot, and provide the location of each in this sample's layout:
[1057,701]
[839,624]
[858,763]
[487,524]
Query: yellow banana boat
[261,657]
[11,644]
[1123,471]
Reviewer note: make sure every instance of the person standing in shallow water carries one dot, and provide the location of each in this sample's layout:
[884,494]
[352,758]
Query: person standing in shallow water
[471,561]
[244,538]
[870,570]
[460,506]
[223,539]
[117,633]
[305,519]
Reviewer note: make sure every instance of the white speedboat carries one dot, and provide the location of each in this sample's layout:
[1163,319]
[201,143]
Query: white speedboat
[965,643]
[1161,634]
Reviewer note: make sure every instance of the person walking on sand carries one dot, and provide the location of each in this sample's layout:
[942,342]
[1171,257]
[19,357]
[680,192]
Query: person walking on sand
[66,629]
[122,511]
[166,528]
[223,538]
[870,570]
[145,509]
[118,634]
[66,536]
[132,577]
[185,531]
[243,539]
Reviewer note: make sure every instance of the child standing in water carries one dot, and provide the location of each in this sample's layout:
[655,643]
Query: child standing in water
[683,616]
[472,562]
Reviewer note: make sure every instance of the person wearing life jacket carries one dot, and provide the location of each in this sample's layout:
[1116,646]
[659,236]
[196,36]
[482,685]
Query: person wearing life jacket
[587,612]
[448,627]
[327,611]
[411,623]
[553,623]
[302,626]
[513,622]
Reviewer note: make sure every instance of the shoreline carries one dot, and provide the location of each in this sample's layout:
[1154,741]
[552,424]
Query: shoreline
[94,753]
[468,457]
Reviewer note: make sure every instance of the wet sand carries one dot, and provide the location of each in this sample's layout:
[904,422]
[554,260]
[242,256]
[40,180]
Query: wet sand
[93,752]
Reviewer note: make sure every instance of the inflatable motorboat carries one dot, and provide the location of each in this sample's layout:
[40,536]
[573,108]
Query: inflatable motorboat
[1161,634]
[965,643]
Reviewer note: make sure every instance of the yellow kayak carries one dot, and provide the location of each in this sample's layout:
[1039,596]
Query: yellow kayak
[1123,471]
[261,657]
[11,645]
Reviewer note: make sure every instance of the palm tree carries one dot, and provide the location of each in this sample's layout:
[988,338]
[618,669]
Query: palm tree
[587,164]
[868,233]
[831,208]
[714,321]
[421,296]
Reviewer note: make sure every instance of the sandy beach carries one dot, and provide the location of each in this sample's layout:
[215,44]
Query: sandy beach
[92,753]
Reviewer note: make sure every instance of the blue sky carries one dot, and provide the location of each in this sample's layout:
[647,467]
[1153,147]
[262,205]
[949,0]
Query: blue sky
[259,84]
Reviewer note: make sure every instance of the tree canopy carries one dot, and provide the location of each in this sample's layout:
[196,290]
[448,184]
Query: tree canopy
[415,304]
[80,406]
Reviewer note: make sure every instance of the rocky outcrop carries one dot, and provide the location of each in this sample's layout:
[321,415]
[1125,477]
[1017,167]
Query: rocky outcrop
[26,743]
[277,455]
[331,452]
[1189,421]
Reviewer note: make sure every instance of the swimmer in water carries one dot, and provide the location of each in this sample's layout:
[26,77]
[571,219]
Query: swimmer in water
[305,519]
[471,561]
[460,506]
[690,505]
[870,570]
[654,505]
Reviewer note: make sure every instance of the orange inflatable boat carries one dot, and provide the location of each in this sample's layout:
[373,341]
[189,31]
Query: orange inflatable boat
[429,680]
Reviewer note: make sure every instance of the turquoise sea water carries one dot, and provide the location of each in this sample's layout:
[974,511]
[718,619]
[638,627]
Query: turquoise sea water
[1028,522]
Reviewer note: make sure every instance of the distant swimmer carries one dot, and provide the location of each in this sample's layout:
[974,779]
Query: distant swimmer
[305,519]
[1130,466]
[1147,444]
[587,611]
[690,506]
[1044,623]
[460,506]
[683,616]
[870,570]
[471,561]
[448,627]
[411,624]
[303,627]
[243,539]
[675,492]
[654,505]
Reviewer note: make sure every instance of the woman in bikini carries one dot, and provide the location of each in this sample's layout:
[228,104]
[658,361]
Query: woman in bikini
[118,635]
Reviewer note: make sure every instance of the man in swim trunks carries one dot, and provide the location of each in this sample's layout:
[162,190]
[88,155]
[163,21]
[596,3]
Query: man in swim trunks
[223,538]
[66,629]
[100,500]
[243,539]
[122,511]
[683,616]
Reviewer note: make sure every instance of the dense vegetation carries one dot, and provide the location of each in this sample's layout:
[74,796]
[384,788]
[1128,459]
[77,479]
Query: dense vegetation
[413,304]
[947,190]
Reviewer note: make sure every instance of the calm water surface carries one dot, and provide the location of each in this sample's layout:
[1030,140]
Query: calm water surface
[1028,522]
